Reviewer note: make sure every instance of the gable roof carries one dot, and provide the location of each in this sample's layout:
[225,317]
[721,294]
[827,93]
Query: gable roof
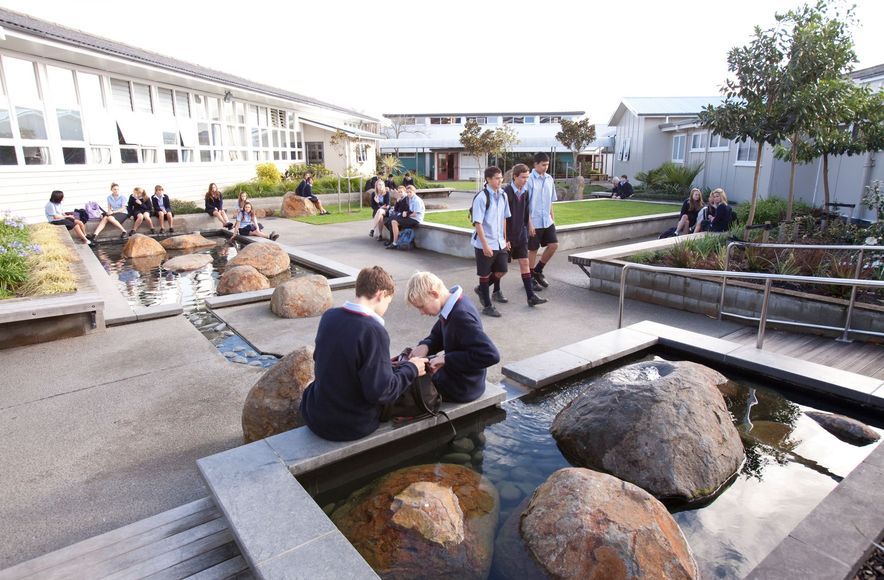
[662,106]
[24,23]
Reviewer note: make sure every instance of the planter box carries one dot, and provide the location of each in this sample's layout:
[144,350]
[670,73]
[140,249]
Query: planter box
[701,295]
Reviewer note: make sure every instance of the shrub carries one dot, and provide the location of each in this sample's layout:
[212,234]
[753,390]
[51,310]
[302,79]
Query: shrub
[181,207]
[773,210]
[670,178]
[330,184]
[296,171]
[255,188]
[268,172]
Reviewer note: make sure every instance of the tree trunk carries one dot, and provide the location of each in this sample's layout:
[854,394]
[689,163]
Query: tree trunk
[793,162]
[826,182]
[754,202]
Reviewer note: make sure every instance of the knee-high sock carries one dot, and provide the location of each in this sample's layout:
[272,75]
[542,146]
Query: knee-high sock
[484,294]
[526,282]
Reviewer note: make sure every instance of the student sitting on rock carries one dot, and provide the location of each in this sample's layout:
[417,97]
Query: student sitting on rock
[354,376]
[459,373]
[247,223]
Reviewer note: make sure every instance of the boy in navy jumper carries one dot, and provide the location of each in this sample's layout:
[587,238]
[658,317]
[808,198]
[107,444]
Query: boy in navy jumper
[354,377]
[459,373]
[517,228]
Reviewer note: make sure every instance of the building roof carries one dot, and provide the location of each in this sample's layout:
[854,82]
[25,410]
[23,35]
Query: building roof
[662,106]
[340,127]
[501,114]
[17,21]
[864,74]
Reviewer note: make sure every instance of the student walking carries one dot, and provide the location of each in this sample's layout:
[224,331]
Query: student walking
[541,223]
[517,229]
[489,212]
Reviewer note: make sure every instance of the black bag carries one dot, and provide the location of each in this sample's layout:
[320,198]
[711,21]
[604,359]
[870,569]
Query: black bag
[81,214]
[420,399]
[668,233]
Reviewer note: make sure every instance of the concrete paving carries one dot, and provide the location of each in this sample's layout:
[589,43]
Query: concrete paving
[103,430]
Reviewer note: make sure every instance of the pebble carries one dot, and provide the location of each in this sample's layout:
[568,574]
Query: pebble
[228,333]
[229,354]
[239,359]
[256,363]
[478,456]
[268,357]
[239,348]
[463,444]
[509,492]
[455,458]
[250,353]
[220,327]
[479,438]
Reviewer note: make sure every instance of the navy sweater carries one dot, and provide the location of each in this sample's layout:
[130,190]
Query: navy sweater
[517,224]
[354,376]
[468,352]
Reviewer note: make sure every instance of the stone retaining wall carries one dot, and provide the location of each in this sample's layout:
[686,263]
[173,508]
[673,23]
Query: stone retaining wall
[701,295]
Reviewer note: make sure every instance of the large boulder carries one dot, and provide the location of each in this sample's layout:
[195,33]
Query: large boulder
[187,262]
[661,425]
[272,404]
[269,259]
[302,297]
[585,524]
[845,428]
[293,205]
[241,279]
[139,246]
[429,520]
[186,242]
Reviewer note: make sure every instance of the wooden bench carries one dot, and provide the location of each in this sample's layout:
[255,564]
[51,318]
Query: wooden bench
[190,541]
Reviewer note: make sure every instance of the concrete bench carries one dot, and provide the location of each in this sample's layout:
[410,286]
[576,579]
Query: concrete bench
[33,320]
[192,540]
[601,194]
[584,259]
[434,192]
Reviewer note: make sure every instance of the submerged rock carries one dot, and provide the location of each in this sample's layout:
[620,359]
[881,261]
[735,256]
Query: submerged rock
[186,242]
[425,521]
[661,425]
[269,259]
[140,246]
[272,404]
[241,279]
[187,262]
[844,428]
[585,524]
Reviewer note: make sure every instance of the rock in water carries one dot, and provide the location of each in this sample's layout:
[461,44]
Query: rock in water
[241,279]
[187,262]
[186,242]
[844,428]
[272,404]
[425,521]
[661,425]
[139,246]
[269,259]
[302,297]
[585,524]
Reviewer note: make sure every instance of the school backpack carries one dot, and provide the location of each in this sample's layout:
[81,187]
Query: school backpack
[487,203]
[418,401]
[94,211]
[406,238]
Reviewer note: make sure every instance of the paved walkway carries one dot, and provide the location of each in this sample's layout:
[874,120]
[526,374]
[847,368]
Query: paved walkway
[104,430]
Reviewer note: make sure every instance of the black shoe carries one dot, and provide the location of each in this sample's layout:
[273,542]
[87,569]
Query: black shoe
[90,237]
[131,232]
[229,225]
[541,279]
[162,231]
[153,231]
[392,246]
[534,300]
[498,297]
[491,311]
[370,233]
[274,236]
[380,239]
[478,291]
[122,235]
[535,285]
[171,230]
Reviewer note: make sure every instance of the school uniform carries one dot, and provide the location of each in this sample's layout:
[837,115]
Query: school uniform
[246,225]
[161,204]
[306,190]
[468,350]
[400,207]
[541,195]
[517,223]
[354,377]
[407,180]
[136,207]
[493,220]
[213,205]
[376,203]
[54,209]
[117,208]
[692,214]
[623,190]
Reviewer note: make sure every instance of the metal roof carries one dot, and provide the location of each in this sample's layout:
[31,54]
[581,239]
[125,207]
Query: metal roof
[339,127]
[504,114]
[663,106]
[49,30]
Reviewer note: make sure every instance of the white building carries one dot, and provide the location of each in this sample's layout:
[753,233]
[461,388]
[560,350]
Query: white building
[78,112]
[429,143]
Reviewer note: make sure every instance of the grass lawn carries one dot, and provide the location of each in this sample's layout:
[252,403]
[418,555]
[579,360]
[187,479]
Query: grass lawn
[469,185]
[337,217]
[572,213]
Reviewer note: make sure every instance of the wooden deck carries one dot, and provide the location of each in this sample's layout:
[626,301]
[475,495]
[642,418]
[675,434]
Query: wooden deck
[862,358]
[190,541]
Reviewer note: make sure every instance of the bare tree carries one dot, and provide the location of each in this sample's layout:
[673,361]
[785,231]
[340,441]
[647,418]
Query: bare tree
[397,126]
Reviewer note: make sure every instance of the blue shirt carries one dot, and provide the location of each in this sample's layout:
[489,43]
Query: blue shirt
[492,219]
[416,208]
[541,194]
[456,293]
[356,307]
[244,218]
[52,210]
[115,203]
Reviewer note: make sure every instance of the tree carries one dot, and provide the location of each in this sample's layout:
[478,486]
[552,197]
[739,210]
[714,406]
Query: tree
[479,144]
[506,138]
[576,135]
[752,108]
[396,127]
[390,164]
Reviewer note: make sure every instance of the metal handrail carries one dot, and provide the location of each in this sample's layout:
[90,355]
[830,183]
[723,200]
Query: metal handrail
[768,279]
[848,248]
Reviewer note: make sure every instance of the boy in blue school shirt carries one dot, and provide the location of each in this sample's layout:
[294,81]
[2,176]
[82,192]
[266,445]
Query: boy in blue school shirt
[541,223]
[489,212]
[411,218]
[354,376]
[459,373]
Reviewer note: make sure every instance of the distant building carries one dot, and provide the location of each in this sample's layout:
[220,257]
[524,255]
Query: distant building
[78,112]
[429,143]
[652,130]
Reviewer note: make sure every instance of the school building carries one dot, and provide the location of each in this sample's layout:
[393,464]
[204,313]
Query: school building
[78,111]
[649,131]
[429,143]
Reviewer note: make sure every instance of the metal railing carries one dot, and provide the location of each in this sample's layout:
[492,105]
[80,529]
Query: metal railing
[768,280]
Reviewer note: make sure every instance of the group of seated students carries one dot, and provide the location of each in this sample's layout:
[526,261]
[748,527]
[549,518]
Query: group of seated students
[246,221]
[396,210]
[140,207]
[354,374]
[699,216]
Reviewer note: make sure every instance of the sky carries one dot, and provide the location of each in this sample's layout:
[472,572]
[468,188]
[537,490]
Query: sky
[456,57]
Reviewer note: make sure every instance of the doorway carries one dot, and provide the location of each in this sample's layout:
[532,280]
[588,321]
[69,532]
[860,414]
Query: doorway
[446,166]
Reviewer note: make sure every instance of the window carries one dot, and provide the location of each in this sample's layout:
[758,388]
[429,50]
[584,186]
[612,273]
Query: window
[91,97]
[698,141]
[411,120]
[141,101]
[747,151]
[61,85]
[529,120]
[7,155]
[70,127]
[544,119]
[36,155]
[626,145]
[182,104]
[514,120]
[165,102]
[30,123]
[361,152]
[444,120]
[678,143]
[479,120]
[120,95]
[718,142]
[74,155]
[315,153]
[21,80]
[5,125]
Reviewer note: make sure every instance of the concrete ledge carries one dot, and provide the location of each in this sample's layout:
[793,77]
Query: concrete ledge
[586,258]
[836,537]
[143,313]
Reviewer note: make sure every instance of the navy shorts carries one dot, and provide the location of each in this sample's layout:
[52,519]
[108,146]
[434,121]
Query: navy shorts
[496,263]
[543,237]
[247,230]
[519,252]
[66,222]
